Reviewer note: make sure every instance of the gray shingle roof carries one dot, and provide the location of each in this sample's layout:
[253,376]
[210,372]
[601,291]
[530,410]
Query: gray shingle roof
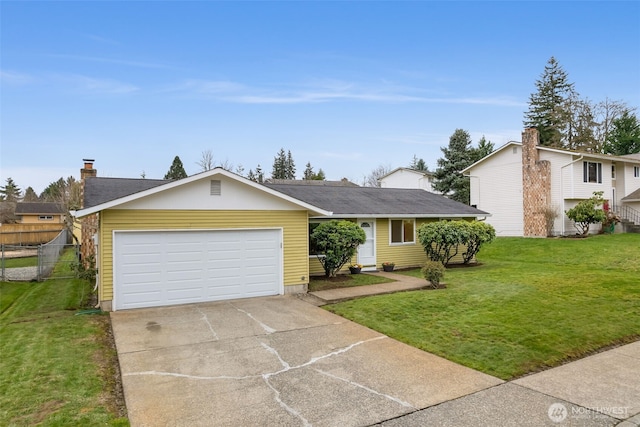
[99,190]
[633,196]
[38,208]
[361,201]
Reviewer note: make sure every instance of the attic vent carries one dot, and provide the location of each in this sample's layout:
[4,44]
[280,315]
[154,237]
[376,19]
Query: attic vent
[515,150]
[216,187]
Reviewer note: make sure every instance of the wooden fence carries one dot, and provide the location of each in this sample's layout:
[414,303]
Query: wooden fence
[28,234]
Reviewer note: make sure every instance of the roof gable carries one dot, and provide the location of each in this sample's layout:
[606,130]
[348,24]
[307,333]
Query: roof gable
[195,193]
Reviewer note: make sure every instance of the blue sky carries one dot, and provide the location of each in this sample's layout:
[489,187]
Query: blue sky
[347,86]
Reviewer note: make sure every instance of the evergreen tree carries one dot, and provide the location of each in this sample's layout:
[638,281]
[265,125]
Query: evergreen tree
[176,171]
[483,150]
[624,137]
[448,178]
[279,166]
[308,172]
[548,106]
[418,164]
[290,167]
[320,176]
[10,192]
[30,195]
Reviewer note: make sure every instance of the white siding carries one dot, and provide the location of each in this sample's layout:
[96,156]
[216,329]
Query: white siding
[496,187]
[197,195]
[406,178]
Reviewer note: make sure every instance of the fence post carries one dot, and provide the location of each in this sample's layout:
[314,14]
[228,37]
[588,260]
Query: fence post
[40,262]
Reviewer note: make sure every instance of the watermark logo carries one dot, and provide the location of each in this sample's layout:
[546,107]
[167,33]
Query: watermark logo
[557,412]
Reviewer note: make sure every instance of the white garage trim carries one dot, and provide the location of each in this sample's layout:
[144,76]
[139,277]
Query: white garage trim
[166,267]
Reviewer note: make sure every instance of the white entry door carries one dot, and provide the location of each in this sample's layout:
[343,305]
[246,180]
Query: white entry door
[367,251]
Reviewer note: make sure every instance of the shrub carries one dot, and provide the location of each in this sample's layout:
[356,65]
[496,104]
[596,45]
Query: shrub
[587,212]
[433,271]
[443,240]
[336,242]
[478,233]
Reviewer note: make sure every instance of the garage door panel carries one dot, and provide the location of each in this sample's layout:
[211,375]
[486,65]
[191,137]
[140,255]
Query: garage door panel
[176,267]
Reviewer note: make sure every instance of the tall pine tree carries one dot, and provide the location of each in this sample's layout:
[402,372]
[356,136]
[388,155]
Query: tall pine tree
[549,109]
[279,170]
[448,178]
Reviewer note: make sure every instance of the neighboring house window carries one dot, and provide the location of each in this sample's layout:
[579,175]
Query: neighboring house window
[613,171]
[402,230]
[45,217]
[636,171]
[592,172]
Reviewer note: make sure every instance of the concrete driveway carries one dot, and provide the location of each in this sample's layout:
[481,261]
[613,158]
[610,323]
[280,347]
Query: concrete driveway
[274,361]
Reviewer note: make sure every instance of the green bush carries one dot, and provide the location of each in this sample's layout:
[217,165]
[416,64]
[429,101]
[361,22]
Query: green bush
[587,212]
[443,240]
[336,242]
[433,271]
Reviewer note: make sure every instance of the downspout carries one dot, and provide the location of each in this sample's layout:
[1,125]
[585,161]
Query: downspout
[562,187]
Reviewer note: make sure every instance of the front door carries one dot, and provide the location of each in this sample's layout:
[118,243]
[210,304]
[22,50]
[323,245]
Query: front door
[367,250]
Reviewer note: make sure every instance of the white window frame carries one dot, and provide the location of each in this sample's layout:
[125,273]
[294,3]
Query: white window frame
[636,171]
[586,172]
[391,242]
[45,218]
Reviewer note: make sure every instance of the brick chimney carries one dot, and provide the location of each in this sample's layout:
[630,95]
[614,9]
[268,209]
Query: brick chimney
[88,224]
[88,170]
[536,186]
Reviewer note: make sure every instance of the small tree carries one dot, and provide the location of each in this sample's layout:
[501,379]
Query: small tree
[176,171]
[587,212]
[336,242]
[440,240]
[443,240]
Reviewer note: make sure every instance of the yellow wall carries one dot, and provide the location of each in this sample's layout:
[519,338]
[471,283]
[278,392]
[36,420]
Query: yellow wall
[294,224]
[35,219]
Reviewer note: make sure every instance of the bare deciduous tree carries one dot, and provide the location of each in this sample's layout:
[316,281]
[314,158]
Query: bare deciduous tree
[372,180]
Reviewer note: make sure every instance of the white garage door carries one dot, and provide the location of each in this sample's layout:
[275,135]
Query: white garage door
[178,267]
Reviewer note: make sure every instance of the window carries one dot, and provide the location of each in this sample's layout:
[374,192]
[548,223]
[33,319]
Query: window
[592,172]
[402,231]
[613,171]
[45,217]
[636,171]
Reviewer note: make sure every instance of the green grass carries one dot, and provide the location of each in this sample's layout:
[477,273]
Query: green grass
[56,368]
[530,305]
[31,261]
[345,281]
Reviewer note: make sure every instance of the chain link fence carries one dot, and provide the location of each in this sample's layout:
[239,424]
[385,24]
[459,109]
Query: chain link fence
[48,255]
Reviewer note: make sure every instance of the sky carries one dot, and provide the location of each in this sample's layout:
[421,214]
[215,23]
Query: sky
[347,86]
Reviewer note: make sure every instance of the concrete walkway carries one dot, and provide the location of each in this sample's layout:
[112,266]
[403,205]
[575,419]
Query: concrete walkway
[402,283]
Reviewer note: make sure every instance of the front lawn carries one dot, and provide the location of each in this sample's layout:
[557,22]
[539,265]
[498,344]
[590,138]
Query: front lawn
[56,368]
[532,304]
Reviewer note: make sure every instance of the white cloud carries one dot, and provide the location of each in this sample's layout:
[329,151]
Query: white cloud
[127,62]
[325,90]
[14,78]
[95,85]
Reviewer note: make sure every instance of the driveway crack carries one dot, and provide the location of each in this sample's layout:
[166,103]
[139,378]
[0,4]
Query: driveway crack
[370,390]
[206,320]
